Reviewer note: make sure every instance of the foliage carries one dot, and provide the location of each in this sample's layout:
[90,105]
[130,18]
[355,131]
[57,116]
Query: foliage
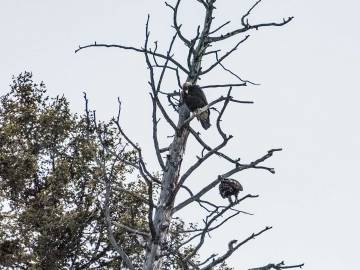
[52,188]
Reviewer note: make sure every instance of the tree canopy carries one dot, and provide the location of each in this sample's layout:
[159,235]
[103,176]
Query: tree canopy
[52,170]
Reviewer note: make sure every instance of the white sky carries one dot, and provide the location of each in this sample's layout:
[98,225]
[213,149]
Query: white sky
[307,103]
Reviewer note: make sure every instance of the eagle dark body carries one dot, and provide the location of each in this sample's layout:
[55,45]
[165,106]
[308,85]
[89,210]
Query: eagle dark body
[195,99]
[229,187]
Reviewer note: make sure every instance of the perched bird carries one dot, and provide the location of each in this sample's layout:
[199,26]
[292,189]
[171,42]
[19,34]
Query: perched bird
[230,187]
[195,99]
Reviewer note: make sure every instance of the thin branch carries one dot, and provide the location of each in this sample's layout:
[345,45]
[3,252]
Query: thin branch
[173,102]
[247,28]
[218,120]
[154,95]
[199,162]
[223,85]
[243,22]
[155,136]
[112,239]
[207,147]
[211,52]
[132,230]
[218,28]
[178,78]
[152,80]
[135,195]
[203,3]
[203,44]
[208,259]
[141,163]
[154,58]
[232,247]
[224,56]
[176,26]
[278,266]
[143,171]
[212,217]
[191,49]
[233,73]
[176,63]
[166,63]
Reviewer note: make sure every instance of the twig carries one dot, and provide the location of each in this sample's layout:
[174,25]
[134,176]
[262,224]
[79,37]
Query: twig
[176,63]
[278,266]
[247,28]
[223,85]
[132,230]
[218,28]
[112,239]
[176,26]
[233,73]
[232,247]
[224,56]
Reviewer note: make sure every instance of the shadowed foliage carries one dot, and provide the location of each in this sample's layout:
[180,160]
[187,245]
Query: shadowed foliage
[51,188]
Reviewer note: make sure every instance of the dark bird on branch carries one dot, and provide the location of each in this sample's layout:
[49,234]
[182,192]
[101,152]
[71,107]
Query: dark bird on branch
[230,187]
[195,99]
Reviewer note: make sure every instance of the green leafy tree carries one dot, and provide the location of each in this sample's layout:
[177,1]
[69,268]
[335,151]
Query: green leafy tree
[52,188]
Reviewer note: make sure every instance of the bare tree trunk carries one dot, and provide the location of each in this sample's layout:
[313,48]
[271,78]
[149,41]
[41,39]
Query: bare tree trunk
[163,214]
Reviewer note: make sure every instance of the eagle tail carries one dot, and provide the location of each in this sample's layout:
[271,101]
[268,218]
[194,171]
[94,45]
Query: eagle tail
[205,123]
[204,119]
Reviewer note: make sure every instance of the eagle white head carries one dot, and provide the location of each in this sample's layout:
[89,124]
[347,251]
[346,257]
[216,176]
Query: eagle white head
[186,86]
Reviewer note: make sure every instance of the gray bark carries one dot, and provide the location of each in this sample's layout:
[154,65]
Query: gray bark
[163,213]
[164,210]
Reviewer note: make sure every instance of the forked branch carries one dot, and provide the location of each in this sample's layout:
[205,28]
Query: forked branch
[246,26]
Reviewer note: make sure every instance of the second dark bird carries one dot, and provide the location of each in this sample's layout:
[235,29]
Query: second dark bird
[195,99]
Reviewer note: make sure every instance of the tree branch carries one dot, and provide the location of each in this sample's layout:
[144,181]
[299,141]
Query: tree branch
[223,85]
[176,63]
[224,56]
[278,266]
[176,26]
[233,73]
[112,239]
[211,218]
[246,26]
[232,248]
[229,173]
[155,90]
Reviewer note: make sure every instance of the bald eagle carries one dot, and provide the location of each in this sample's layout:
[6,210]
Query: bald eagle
[195,99]
[230,187]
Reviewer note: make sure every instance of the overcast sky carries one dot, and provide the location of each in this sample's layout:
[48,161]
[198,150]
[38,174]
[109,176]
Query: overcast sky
[307,103]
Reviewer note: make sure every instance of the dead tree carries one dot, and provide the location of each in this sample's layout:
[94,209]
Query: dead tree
[162,207]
